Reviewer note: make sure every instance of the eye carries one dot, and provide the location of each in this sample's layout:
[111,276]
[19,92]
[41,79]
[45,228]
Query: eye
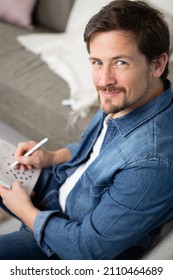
[96,62]
[120,63]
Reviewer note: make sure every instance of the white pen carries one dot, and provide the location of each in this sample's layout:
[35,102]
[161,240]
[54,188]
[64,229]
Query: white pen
[36,147]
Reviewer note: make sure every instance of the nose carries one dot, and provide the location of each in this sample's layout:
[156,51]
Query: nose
[107,76]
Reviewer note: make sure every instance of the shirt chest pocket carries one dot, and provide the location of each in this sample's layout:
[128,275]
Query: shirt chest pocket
[85,197]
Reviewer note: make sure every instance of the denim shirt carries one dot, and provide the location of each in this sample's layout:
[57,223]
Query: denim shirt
[124,195]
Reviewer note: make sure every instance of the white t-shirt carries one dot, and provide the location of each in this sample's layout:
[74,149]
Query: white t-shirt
[72,180]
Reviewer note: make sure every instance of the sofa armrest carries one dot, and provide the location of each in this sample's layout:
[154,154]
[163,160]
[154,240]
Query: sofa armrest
[163,250]
[53,14]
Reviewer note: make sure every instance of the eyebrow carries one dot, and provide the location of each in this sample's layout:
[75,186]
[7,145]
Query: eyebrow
[114,58]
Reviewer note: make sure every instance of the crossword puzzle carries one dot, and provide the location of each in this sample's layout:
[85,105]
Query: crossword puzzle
[17,175]
[9,175]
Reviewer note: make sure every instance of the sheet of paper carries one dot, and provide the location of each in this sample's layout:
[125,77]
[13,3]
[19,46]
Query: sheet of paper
[8,175]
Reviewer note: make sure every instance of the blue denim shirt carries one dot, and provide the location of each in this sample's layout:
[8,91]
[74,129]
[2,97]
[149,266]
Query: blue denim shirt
[124,195]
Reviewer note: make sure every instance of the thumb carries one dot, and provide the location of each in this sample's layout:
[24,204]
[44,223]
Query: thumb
[3,191]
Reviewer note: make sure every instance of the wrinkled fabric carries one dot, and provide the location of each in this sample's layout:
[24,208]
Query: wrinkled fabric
[124,195]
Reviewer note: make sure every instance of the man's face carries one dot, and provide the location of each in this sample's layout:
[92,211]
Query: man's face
[121,74]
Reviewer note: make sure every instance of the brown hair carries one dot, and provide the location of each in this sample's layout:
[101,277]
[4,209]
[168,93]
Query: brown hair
[146,25]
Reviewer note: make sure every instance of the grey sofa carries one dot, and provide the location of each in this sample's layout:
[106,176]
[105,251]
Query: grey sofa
[31,96]
[30,93]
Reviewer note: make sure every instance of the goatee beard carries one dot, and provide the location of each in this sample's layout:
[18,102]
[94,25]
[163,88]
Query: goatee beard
[107,106]
[110,108]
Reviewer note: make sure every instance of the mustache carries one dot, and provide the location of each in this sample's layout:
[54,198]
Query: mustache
[110,88]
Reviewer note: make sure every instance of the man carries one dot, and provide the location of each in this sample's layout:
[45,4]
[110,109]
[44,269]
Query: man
[108,196]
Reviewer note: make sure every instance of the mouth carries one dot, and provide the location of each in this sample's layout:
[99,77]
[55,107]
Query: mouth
[110,92]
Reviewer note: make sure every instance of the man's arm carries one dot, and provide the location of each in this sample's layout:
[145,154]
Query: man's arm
[59,156]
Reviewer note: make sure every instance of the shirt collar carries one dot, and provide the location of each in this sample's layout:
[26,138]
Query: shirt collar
[131,121]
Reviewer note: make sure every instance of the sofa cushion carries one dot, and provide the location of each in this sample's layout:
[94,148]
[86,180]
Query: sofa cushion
[81,12]
[53,14]
[162,248]
[17,12]
[31,94]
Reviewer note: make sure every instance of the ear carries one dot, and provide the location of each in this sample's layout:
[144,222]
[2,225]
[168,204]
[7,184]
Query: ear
[159,65]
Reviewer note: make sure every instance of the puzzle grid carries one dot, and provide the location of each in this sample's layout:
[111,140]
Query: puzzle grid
[8,174]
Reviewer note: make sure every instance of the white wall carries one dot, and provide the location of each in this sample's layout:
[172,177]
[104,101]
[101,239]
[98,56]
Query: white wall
[166,5]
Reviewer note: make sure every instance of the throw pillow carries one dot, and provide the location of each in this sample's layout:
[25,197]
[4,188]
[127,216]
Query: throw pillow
[53,14]
[81,12]
[17,12]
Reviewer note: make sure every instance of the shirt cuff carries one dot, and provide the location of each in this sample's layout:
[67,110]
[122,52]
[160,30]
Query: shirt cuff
[73,148]
[39,225]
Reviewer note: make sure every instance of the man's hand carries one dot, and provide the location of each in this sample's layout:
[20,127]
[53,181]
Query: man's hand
[18,202]
[40,158]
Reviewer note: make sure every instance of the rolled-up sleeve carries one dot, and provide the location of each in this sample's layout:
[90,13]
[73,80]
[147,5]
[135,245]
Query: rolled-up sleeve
[73,147]
[39,225]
